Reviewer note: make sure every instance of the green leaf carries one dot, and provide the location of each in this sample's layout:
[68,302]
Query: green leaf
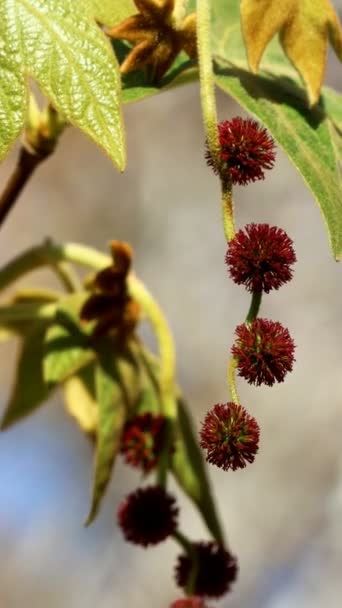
[149,398]
[64,50]
[277,98]
[147,390]
[66,347]
[306,136]
[80,398]
[29,390]
[135,85]
[190,472]
[13,94]
[333,105]
[112,12]
[112,415]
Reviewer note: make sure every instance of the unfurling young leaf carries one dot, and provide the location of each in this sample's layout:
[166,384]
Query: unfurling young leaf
[112,415]
[60,45]
[305,27]
[29,390]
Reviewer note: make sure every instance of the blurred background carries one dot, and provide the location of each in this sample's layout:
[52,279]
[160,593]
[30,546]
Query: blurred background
[283,515]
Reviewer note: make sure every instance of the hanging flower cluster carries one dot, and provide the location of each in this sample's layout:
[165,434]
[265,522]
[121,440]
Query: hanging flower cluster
[149,516]
[261,258]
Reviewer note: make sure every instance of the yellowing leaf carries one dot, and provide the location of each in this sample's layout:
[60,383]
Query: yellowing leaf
[304,27]
[80,402]
[57,43]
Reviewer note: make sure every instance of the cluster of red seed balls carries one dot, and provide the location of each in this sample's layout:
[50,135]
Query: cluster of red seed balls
[149,515]
[260,257]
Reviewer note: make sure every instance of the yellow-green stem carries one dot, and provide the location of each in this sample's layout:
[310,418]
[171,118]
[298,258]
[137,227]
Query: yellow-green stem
[29,294]
[26,312]
[228,210]
[207,80]
[67,277]
[232,365]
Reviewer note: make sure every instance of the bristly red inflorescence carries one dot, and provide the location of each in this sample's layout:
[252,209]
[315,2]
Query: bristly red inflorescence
[230,436]
[260,257]
[189,602]
[247,150]
[216,570]
[264,351]
[142,440]
[148,516]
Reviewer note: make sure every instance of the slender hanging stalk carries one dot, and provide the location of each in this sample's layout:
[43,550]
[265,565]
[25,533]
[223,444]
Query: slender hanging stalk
[207,83]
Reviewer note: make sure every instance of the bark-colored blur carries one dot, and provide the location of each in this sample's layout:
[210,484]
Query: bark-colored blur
[283,513]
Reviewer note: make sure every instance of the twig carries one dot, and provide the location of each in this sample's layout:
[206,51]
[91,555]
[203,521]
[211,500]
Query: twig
[27,163]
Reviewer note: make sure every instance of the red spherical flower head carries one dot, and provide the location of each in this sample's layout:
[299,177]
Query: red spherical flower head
[260,257]
[148,516]
[189,602]
[216,570]
[142,440]
[247,150]
[264,351]
[230,436]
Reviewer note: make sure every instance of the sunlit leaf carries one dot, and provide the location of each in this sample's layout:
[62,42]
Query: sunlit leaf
[305,29]
[58,44]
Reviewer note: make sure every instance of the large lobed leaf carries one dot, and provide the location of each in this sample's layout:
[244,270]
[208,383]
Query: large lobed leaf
[59,44]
